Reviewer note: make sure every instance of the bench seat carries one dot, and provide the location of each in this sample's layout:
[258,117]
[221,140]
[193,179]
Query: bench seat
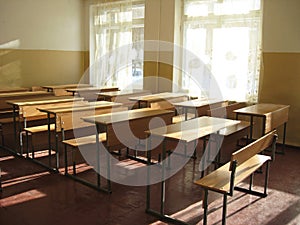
[242,165]
[181,117]
[83,141]
[77,142]
[38,129]
[219,180]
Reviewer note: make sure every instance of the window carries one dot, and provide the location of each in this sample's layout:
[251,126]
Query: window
[226,36]
[116,49]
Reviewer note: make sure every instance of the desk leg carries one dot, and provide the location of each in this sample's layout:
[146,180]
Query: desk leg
[148,149]
[98,160]
[160,214]
[163,183]
[251,128]
[49,138]
[284,135]
[15,128]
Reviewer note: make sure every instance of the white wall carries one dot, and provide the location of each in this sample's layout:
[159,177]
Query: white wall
[42,24]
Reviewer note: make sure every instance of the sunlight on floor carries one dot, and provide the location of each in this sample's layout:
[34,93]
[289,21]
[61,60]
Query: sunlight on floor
[21,198]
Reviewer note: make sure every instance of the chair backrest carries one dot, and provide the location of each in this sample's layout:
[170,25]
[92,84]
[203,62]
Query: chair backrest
[253,148]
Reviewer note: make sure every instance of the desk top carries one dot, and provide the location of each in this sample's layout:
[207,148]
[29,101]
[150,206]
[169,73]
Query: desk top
[65,86]
[193,129]
[13,89]
[43,100]
[24,93]
[197,103]
[92,89]
[115,117]
[120,93]
[158,96]
[261,109]
[84,106]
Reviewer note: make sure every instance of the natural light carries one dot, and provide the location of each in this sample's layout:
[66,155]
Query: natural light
[226,37]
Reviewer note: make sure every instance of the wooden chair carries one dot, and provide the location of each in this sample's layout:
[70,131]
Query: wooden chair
[242,165]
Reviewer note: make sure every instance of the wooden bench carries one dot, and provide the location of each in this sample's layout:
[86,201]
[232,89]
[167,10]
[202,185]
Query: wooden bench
[66,118]
[31,132]
[199,108]
[226,111]
[231,134]
[79,142]
[242,165]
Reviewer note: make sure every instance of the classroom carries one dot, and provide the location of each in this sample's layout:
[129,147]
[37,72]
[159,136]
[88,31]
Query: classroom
[149,112]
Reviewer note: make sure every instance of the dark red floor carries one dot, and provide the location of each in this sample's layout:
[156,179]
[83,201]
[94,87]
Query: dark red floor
[33,196]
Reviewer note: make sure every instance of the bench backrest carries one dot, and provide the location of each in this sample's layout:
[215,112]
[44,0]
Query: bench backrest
[167,104]
[226,111]
[253,148]
[72,120]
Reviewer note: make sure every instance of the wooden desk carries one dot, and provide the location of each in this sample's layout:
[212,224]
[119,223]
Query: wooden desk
[90,93]
[116,126]
[122,96]
[25,110]
[69,118]
[4,97]
[94,90]
[61,89]
[199,106]
[273,115]
[13,89]
[164,96]
[184,132]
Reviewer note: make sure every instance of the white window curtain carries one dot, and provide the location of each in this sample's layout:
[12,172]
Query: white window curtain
[117,29]
[226,36]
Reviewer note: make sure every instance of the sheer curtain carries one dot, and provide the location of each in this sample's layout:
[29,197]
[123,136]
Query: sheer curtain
[226,36]
[116,51]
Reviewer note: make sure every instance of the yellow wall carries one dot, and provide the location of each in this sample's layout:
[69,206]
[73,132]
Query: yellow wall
[158,58]
[27,68]
[280,84]
[280,80]
[41,42]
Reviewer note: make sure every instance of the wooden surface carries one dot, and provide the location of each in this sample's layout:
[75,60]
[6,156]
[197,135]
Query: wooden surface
[126,116]
[192,129]
[4,97]
[121,93]
[196,103]
[92,89]
[275,114]
[127,128]
[86,140]
[29,107]
[253,148]
[260,109]
[13,89]
[226,111]
[42,100]
[65,86]
[219,180]
[200,106]
[69,118]
[158,97]
[248,161]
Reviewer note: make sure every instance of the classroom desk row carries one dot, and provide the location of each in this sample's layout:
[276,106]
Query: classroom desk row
[128,128]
